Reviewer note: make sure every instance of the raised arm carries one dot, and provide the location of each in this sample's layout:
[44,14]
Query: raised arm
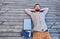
[28,11]
[45,10]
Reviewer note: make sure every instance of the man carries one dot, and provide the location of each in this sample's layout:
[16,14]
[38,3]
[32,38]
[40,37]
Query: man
[40,30]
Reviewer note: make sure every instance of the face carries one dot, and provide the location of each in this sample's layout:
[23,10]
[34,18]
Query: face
[37,7]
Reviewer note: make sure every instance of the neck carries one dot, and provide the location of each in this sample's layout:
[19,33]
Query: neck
[35,10]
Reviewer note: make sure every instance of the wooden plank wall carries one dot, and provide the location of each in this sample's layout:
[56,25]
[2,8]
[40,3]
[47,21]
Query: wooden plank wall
[12,15]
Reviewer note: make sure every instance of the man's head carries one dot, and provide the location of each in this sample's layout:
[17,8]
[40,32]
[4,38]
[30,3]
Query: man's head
[37,7]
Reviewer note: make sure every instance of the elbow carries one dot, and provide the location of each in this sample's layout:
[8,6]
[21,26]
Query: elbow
[47,8]
[25,9]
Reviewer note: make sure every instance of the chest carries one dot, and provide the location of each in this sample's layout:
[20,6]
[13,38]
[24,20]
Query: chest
[37,15]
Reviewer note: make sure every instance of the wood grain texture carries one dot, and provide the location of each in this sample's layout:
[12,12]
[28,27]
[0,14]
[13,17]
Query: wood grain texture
[12,15]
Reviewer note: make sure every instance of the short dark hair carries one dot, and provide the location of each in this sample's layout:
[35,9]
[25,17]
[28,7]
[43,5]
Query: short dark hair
[35,5]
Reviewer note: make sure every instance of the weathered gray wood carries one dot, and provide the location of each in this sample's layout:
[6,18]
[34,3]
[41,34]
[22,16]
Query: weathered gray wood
[12,15]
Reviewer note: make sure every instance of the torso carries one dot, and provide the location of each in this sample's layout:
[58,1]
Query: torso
[38,19]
